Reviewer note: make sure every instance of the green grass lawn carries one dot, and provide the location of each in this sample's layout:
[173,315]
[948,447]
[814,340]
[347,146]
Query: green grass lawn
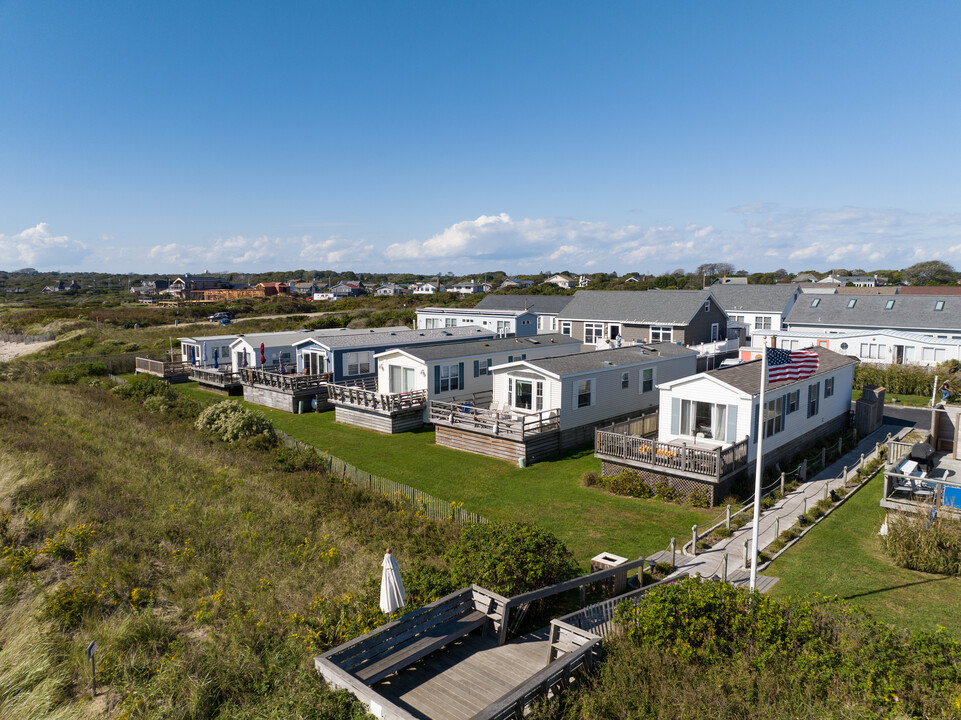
[588,520]
[892,399]
[843,556]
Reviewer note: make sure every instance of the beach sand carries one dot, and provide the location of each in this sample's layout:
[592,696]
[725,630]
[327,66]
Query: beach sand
[11,350]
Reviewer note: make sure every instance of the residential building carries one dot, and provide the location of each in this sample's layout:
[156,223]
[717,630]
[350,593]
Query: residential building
[390,289]
[540,408]
[883,347]
[469,287]
[562,281]
[762,308]
[503,322]
[427,288]
[544,307]
[938,315]
[347,289]
[707,425]
[515,283]
[192,286]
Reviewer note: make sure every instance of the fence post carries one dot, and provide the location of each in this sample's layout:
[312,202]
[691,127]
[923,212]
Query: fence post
[724,567]
[747,560]
[844,475]
[694,540]
[825,491]
[782,484]
[777,527]
[640,574]
[861,468]
[673,553]
[727,516]
[804,507]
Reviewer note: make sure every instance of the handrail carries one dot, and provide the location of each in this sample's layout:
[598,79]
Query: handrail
[287,383]
[222,376]
[515,426]
[715,462]
[361,397]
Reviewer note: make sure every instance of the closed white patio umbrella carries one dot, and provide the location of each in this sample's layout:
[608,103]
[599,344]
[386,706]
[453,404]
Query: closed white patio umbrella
[392,595]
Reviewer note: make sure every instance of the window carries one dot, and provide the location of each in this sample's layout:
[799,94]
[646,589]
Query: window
[774,417]
[358,363]
[516,358]
[707,306]
[449,378]
[792,399]
[482,367]
[852,302]
[828,387]
[889,304]
[647,380]
[625,381]
[814,396]
[525,322]
[431,323]
[525,394]
[565,327]
[705,419]
[401,378]
[661,334]
[315,363]
[737,318]
[815,302]
[939,305]
[585,393]
[844,346]
[503,327]
[450,322]
[593,332]
[762,322]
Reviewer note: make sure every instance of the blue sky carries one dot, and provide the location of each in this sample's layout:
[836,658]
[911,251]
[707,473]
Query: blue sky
[452,136]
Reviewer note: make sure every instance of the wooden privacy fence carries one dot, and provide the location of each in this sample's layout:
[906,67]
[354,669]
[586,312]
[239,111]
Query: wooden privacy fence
[27,339]
[428,505]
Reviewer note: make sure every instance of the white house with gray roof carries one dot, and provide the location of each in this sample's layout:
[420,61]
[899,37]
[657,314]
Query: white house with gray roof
[938,315]
[502,322]
[761,308]
[707,425]
[542,407]
[884,347]
[409,378]
[544,307]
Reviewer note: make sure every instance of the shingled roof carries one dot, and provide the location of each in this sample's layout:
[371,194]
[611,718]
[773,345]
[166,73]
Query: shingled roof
[649,307]
[747,376]
[908,312]
[533,303]
[751,298]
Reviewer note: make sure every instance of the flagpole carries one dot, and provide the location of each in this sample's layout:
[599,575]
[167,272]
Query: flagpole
[758,472]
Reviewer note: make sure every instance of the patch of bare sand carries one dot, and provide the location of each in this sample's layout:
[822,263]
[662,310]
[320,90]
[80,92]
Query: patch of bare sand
[12,350]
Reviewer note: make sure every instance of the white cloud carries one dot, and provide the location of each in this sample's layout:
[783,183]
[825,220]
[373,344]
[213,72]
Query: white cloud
[37,247]
[262,253]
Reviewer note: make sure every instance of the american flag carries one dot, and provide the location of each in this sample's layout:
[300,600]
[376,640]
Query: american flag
[790,364]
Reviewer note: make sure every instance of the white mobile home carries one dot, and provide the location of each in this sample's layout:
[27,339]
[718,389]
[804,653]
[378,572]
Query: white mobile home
[884,347]
[503,322]
[542,407]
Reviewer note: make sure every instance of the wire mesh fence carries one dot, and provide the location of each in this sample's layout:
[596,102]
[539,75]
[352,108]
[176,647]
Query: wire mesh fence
[426,504]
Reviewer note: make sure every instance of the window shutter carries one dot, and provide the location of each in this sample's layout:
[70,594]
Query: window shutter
[460,376]
[477,368]
[436,379]
[754,421]
[731,423]
[675,416]
[784,403]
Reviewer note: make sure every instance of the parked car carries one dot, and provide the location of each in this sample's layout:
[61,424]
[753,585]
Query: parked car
[221,316]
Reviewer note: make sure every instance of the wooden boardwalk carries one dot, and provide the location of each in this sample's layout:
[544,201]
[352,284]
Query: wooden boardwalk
[466,677]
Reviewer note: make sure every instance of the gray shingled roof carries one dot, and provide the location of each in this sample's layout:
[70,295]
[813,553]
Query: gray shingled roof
[604,359]
[289,337]
[750,298]
[388,339]
[520,345]
[910,312]
[649,307]
[535,303]
[747,376]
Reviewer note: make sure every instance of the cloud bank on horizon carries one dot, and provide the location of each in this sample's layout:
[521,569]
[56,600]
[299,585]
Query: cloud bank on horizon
[755,237]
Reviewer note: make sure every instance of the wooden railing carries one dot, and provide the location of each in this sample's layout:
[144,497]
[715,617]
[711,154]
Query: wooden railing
[515,426]
[285,383]
[221,376]
[370,399]
[161,368]
[709,462]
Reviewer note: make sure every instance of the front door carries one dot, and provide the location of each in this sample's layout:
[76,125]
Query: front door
[899,354]
[715,332]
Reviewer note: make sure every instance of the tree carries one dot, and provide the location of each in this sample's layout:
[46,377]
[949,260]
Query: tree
[931,272]
[716,269]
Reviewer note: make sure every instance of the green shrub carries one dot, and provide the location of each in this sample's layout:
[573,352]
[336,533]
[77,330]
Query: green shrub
[140,387]
[230,421]
[590,478]
[699,498]
[291,459]
[627,483]
[723,532]
[509,558]
[75,373]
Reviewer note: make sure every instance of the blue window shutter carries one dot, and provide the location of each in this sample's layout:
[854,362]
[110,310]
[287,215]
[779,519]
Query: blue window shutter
[784,412]
[477,368]
[731,436]
[437,378]
[676,416]
[460,376]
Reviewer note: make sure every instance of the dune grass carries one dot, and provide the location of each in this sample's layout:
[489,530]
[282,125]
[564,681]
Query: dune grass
[843,556]
[588,520]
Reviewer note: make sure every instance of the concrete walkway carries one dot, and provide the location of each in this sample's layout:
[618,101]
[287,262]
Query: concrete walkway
[779,517]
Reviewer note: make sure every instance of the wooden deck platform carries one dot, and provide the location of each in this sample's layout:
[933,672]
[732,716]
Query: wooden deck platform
[466,677]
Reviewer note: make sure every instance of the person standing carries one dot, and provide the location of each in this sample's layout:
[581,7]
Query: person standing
[945,392]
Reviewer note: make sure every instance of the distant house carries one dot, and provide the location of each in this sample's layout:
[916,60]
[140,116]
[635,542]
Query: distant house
[269,289]
[805,278]
[515,283]
[390,289]
[188,285]
[150,287]
[56,288]
[544,307]
[631,279]
[855,280]
[685,317]
[884,347]
[427,288]
[347,290]
[540,408]
[707,425]
[730,280]
[470,288]
[298,287]
[503,322]
[762,308]
[562,281]
[938,315]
